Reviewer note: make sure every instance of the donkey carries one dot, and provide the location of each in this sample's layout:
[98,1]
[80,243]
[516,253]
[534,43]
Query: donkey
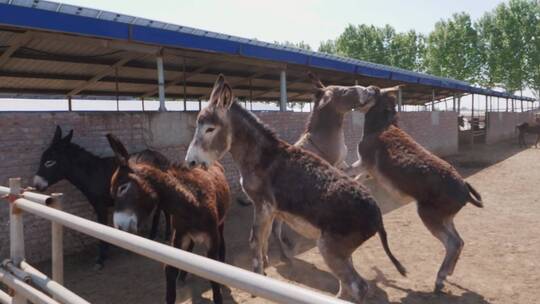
[323,134]
[197,201]
[91,175]
[309,194]
[524,128]
[406,169]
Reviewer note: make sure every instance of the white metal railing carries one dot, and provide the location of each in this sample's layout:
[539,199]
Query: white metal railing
[33,203]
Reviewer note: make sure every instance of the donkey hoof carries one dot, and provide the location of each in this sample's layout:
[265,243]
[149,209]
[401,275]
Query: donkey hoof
[439,286]
[98,266]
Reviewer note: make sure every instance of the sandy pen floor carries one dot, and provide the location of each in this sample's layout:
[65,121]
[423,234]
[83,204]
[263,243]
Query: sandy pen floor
[499,263]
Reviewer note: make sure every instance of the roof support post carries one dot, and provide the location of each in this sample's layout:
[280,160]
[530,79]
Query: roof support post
[454,102]
[472,107]
[513,109]
[185,82]
[486,110]
[69,104]
[400,98]
[506,104]
[459,105]
[283,91]
[161,83]
[433,100]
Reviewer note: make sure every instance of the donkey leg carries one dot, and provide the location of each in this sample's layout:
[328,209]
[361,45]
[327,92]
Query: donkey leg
[260,231]
[460,244]
[340,263]
[171,273]
[103,246]
[187,245]
[155,224]
[214,253]
[440,227]
[285,244]
[167,225]
[222,243]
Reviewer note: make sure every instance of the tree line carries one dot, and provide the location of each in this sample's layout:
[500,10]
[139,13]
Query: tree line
[501,49]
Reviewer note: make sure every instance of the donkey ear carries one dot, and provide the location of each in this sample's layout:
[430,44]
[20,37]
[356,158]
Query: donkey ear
[226,98]
[57,135]
[67,139]
[119,150]
[315,80]
[216,90]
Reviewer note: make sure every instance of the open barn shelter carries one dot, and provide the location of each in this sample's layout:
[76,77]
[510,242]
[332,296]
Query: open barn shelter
[55,51]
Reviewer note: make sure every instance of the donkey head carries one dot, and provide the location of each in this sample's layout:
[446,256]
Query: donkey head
[383,112]
[134,198]
[54,161]
[213,135]
[342,99]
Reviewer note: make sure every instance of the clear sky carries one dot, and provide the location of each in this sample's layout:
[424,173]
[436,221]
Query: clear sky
[293,20]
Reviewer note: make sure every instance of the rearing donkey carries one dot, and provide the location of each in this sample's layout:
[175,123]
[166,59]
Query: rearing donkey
[287,182]
[91,175]
[323,134]
[405,168]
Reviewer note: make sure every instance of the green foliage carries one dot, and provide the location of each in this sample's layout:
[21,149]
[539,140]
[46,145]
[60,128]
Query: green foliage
[328,46]
[452,49]
[300,45]
[501,49]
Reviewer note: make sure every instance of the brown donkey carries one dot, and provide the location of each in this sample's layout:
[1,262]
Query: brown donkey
[287,182]
[405,168]
[324,135]
[196,200]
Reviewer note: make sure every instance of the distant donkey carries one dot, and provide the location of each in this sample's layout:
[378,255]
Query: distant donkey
[406,169]
[196,199]
[525,128]
[284,181]
[90,174]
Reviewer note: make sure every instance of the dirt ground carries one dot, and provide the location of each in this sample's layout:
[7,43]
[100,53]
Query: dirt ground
[499,263]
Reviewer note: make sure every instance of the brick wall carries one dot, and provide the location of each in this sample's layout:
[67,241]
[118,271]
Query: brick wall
[26,135]
[502,125]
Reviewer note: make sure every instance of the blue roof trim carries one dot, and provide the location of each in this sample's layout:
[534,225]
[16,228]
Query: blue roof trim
[398,76]
[51,16]
[184,40]
[12,15]
[372,72]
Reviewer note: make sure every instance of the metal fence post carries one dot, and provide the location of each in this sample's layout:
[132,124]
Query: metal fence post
[16,231]
[57,235]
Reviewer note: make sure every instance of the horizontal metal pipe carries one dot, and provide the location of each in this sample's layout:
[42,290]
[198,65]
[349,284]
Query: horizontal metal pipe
[37,197]
[9,266]
[5,298]
[4,190]
[253,283]
[33,295]
[58,291]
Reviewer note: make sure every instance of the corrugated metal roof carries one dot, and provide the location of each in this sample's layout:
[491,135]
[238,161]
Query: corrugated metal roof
[63,18]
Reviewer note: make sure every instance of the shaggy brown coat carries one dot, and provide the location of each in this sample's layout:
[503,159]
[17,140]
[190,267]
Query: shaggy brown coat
[196,199]
[404,167]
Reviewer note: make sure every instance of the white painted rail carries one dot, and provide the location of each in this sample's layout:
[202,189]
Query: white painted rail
[225,274]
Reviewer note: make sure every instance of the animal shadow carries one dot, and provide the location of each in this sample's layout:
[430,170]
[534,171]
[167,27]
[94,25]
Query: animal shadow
[417,297]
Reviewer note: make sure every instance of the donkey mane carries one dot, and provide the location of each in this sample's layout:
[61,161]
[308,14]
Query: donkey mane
[254,122]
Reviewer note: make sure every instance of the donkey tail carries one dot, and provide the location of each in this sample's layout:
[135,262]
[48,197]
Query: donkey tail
[384,241]
[474,197]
